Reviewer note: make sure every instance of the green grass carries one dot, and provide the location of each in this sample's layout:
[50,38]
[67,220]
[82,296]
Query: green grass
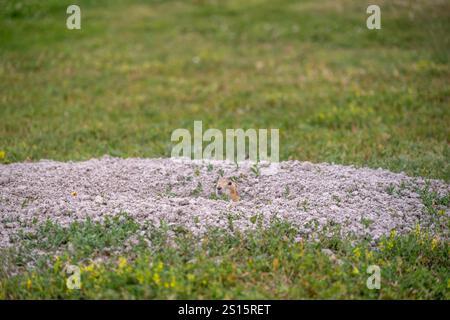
[265,263]
[337,91]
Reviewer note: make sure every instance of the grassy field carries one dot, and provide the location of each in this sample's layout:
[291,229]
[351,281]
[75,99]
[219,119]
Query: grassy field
[264,264]
[137,70]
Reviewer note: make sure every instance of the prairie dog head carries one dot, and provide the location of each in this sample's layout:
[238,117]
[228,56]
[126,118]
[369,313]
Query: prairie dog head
[227,187]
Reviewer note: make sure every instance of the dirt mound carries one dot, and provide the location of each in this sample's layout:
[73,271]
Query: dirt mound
[359,201]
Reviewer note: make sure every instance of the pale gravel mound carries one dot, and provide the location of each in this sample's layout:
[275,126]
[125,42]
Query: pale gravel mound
[364,202]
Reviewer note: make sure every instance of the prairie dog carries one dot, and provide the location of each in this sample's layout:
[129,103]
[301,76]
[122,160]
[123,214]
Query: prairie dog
[228,187]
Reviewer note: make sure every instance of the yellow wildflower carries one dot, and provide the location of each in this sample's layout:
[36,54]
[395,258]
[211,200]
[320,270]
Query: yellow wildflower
[122,262]
[29,284]
[57,265]
[417,230]
[355,270]
[140,278]
[390,244]
[434,244]
[2,154]
[156,278]
[393,233]
[173,282]
[89,268]
[159,267]
[74,194]
[191,277]
[357,252]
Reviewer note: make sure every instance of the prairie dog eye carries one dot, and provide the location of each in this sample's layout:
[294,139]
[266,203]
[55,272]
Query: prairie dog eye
[230,183]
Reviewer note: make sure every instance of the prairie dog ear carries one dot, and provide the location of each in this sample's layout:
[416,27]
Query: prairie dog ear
[221,182]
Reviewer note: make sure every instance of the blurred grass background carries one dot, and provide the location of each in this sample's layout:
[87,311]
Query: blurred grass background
[137,70]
